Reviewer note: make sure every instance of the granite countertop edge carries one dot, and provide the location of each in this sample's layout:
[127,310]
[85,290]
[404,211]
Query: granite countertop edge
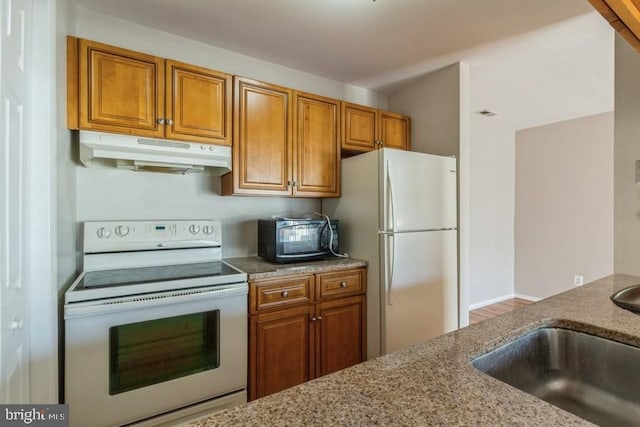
[433,383]
[258,268]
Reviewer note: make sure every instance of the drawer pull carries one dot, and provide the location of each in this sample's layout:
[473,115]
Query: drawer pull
[343,284]
[284,294]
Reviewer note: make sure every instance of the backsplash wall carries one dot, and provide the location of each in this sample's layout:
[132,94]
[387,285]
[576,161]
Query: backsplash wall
[113,194]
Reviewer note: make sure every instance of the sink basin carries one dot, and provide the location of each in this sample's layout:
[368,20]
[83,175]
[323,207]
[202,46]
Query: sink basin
[628,298]
[594,378]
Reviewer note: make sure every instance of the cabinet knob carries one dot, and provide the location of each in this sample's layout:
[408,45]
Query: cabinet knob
[343,284]
[284,294]
[319,318]
[169,122]
[313,319]
[160,121]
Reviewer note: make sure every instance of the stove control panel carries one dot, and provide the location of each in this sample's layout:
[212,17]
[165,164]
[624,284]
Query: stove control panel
[112,236]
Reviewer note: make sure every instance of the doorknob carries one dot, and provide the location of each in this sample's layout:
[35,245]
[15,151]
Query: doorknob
[16,324]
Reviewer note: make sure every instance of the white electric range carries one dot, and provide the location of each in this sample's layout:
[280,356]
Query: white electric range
[155,325]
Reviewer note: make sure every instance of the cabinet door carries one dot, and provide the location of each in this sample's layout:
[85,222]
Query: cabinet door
[359,126]
[341,341]
[280,355]
[261,139]
[198,102]
[316,146]
[120,90]
[395,130]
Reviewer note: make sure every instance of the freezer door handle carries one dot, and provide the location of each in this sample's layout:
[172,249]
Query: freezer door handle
[392,216]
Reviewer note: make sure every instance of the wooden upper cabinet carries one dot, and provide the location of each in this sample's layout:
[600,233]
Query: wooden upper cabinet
[198,103]
[365,129]
[285,142]
[359,127]
[262,140]
[120,90]
[623,16]
[395,130]
[316,168]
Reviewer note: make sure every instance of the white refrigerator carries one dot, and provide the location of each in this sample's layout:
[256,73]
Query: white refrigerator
[398,211]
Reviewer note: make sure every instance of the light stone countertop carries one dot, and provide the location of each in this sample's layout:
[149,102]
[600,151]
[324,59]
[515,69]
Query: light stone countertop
[257,268]
[433,384]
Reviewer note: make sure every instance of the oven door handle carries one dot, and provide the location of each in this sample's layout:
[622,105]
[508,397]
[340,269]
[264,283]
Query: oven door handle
[156,299]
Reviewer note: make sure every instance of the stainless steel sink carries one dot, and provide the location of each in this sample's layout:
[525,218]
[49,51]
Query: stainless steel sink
[594,378]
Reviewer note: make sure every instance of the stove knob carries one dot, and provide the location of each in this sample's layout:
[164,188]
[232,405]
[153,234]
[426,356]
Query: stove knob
[122,230]
[103,233]
[194,229]
[207,229]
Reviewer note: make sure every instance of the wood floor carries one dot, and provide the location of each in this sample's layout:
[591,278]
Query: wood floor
[488,311]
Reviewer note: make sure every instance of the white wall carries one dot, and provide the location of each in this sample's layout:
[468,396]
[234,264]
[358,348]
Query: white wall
[557,73]
[433,103]
[438,104]
[45,234]
[627,152]
[117,194]
[491,209]
[564,204]
[111,194]
[67,250]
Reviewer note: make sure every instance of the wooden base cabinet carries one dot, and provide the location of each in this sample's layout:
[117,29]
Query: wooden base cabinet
[303,327]
[340,334]
[281,351]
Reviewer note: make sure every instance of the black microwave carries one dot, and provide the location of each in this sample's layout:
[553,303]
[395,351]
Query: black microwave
[292,240]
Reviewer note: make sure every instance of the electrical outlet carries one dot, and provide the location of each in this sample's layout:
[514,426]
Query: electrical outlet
[578,280]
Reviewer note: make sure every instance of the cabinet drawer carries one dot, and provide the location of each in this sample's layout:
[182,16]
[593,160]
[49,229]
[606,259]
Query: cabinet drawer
[340,283]
[276,293]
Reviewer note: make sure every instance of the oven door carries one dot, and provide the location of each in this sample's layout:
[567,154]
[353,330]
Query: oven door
[135,357]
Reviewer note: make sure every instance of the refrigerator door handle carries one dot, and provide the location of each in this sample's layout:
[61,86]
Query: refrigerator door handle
[392,216]
[389,265]
[393,264]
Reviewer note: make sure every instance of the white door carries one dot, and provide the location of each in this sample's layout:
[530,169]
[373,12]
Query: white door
[420,296]
[419,191]
[15,27]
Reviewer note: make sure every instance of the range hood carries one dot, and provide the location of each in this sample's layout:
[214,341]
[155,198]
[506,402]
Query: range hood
[139,153]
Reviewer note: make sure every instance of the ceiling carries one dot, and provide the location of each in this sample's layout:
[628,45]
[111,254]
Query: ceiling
[367,43]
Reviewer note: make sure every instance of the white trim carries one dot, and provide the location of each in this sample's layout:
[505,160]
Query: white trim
[490,301]
[40,232]
[502,298]
[464,185]
[527,297]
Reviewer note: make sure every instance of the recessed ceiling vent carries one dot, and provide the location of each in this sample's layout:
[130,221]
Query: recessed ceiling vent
[487,113]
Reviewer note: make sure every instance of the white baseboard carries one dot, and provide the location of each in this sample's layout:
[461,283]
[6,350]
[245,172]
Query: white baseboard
[527,297]
[500,299]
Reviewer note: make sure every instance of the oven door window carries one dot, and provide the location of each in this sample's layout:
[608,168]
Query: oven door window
[160,350]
